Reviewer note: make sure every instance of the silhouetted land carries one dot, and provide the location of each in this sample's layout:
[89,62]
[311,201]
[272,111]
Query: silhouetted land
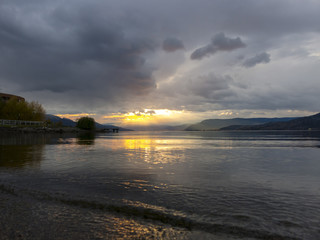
[302,123]
[215,124]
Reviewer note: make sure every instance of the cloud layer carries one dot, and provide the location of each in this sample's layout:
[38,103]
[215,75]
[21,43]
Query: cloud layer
[109,56]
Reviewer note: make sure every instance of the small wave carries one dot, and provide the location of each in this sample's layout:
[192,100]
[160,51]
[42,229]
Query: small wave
[287,223]
[147,212]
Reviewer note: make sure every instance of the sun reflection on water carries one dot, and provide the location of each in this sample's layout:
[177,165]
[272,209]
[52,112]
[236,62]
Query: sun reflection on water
[138,143]
[152,151]
[143,185]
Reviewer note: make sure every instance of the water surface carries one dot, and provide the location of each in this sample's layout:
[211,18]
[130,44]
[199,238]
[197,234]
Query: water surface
[183,185]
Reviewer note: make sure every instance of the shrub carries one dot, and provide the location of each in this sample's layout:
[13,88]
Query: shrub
[86,123]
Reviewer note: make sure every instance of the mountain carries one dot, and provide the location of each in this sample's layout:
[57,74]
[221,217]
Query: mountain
[215,124]
[302,123]
[66,122]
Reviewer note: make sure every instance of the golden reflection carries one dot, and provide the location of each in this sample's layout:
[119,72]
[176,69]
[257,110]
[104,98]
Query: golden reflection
[154,151]
[149,150]
[138,143]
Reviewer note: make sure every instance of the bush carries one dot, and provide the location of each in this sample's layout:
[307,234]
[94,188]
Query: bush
[86,123]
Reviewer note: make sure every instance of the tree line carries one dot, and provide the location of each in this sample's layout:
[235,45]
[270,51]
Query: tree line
[14,109]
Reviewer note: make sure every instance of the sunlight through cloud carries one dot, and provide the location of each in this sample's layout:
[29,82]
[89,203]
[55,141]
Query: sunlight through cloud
[148,116]
[75,116]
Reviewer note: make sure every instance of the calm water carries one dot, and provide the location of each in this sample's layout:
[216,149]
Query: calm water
[161,185]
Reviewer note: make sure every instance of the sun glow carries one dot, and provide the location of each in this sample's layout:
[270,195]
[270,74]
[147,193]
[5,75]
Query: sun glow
[75,116]
[148,116]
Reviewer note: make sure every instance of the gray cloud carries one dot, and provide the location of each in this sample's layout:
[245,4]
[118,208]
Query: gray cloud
[172,44]
[259,58]
[211,86]
[219,43]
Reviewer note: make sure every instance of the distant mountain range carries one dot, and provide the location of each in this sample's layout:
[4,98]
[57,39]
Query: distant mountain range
[215,124]
[287,123]
[66,122]
[302,123]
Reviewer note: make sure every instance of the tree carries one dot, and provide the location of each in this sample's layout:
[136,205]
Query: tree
[86,123]
[37,111]
[21,110]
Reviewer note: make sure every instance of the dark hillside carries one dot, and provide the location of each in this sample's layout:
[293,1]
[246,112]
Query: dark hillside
[214,124]
[303,123]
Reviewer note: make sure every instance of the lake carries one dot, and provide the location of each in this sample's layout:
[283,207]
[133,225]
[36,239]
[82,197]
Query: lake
[161,185]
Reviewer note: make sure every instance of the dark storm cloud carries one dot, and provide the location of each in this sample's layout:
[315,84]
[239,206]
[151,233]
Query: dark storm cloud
[219,43]
[172,44]
[259,58]
[73,50]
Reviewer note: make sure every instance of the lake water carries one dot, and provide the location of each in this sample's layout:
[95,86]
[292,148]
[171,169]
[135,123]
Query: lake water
[161,185]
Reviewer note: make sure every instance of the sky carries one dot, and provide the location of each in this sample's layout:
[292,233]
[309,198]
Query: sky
[163,62]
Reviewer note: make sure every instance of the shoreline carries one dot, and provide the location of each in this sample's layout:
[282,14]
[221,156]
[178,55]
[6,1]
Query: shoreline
[49,130]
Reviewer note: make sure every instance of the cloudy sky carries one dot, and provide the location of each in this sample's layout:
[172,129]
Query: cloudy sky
[164,61]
